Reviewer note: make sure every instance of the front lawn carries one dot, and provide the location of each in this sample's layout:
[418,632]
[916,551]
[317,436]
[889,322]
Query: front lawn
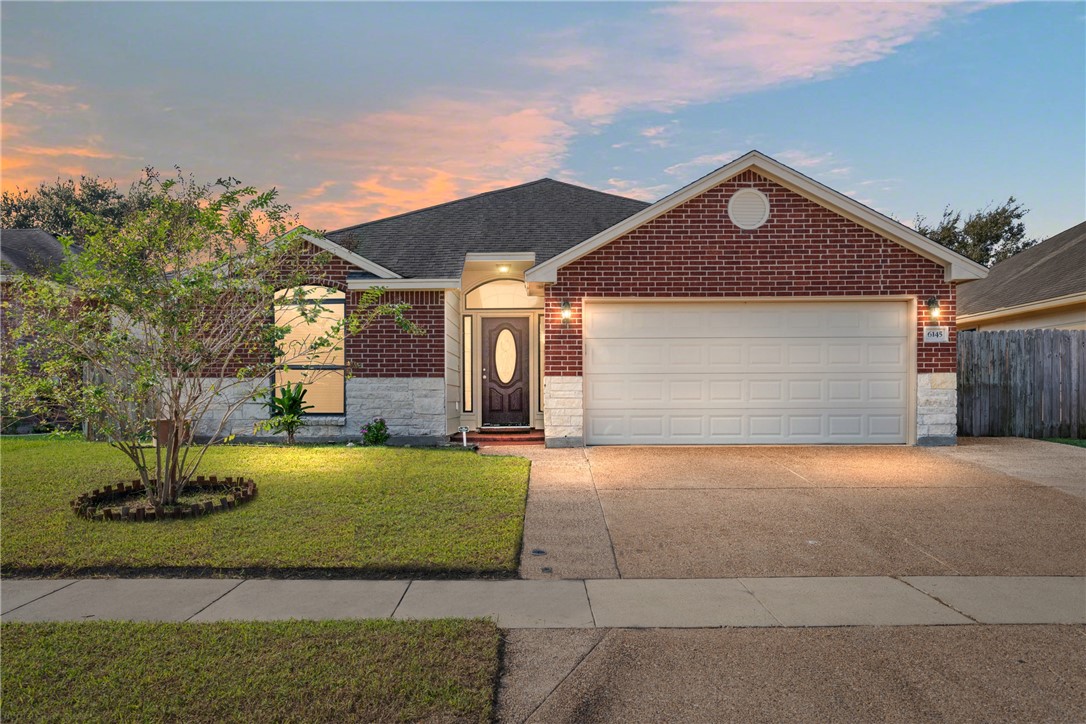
[247,672]
[339,510]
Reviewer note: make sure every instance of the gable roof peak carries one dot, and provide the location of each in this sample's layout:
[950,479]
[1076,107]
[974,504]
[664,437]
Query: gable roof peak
[958,267]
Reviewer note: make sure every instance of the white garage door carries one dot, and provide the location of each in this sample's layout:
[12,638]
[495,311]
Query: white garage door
[746,372]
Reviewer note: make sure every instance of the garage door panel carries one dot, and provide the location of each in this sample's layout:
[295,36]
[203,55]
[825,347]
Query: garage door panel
[762,391]
[746,372]
[800,426]
[620,356]
[745,319]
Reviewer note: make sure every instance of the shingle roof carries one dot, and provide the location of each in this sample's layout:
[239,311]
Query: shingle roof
[1054,268]
[546,217]
[31,251]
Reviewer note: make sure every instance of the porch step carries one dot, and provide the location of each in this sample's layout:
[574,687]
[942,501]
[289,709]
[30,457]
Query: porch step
[502,437]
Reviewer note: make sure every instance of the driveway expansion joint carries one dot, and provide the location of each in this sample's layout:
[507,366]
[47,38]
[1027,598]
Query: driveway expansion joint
[568,674]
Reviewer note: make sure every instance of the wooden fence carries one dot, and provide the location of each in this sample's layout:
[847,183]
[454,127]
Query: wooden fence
[1022,383]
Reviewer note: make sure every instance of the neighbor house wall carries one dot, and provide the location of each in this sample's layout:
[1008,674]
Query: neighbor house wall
[694,250]
[1072,316]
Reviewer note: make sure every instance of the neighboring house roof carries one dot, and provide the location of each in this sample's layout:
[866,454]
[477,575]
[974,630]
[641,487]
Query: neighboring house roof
[958,267]
[1054,268]
[30,251]
[546,217]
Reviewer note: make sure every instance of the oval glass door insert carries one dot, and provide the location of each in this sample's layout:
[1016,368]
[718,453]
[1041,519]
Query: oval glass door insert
[505,356]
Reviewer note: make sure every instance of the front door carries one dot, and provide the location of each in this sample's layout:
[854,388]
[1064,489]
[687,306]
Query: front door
[506,356]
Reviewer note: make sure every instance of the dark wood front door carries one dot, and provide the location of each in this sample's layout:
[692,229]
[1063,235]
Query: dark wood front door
[506,356]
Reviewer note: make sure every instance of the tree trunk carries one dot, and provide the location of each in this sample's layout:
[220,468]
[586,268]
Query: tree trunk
[169,437]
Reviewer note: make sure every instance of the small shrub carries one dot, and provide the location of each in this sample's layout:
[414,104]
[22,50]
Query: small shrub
[287,408]
[375,433]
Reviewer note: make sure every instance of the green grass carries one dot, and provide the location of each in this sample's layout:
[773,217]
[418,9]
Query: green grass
[1067,441]
[345,511]
[290,671]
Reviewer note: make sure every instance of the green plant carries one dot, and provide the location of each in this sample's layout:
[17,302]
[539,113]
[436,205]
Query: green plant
[163,321]
[375,433]
[287,409]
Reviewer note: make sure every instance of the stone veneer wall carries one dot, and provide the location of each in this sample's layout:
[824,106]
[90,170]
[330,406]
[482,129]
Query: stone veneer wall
[563,411]
[413,407]
[937,408]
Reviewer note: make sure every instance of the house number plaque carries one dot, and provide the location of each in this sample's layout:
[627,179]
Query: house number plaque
[936,334]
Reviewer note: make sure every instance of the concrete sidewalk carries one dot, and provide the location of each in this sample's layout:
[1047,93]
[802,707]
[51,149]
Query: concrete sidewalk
[596,603]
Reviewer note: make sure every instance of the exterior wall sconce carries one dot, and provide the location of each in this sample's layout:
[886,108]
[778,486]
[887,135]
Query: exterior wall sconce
[503,269]
[567,313]
[933,307]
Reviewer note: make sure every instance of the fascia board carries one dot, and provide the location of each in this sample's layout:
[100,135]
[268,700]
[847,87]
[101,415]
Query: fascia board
[499,256]
[1040,305]
[349,256]
[404,284]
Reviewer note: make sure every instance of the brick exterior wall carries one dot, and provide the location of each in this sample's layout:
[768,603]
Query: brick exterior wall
[694,250]
[382,350]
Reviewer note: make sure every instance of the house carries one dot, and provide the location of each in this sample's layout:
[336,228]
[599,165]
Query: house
[754,305]
[23,251]
[29,251]
[1043,287]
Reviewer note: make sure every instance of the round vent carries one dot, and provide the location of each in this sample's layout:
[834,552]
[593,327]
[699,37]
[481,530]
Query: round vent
[748,208]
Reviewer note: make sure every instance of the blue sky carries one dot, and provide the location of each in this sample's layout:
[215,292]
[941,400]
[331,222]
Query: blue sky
[356,111]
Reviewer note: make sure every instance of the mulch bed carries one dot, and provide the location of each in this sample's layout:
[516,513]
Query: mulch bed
[128,502]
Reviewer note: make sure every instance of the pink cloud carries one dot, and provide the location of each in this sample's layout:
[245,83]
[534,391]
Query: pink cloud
[86,151]
[433,151]
[435,148]
[700,52]
[318,190]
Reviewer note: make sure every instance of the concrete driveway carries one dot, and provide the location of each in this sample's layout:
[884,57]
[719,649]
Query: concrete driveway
[863,674]
[722,512]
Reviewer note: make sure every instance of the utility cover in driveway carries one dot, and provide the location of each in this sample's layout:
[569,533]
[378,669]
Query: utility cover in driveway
[746,372]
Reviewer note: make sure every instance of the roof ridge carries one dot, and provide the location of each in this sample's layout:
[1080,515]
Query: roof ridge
[446,203]
[596,191]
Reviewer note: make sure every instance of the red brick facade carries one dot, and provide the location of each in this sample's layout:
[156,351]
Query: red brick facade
[694,250]
[382,350]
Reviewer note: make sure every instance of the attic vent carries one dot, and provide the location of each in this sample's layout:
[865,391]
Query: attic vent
[748,208]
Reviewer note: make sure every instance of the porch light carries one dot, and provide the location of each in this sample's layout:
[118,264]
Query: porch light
[503,269]
[933,307]
[567,313]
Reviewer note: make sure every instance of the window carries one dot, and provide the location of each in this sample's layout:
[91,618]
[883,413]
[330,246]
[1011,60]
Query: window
[466,363]
[313,348]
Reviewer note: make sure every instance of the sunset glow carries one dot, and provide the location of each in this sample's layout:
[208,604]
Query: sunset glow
[359,111]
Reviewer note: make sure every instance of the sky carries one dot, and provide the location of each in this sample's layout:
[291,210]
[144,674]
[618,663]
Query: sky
[356,111]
